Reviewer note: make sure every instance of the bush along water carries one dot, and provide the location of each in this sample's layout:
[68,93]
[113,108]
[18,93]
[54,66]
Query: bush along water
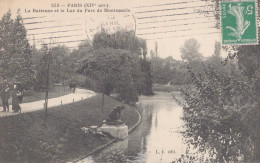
[219,113]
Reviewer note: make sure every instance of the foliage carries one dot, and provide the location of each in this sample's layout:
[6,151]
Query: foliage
[15,54]
[190,51]
[128,41]
[120,40]
[60,69]
[162,69]
[192,57]
[112,69]
[146,87]
[248,60]
[45,58]
[168,70]
[221,111]
[76,55]
[125,87]
[63,64]
[217,112]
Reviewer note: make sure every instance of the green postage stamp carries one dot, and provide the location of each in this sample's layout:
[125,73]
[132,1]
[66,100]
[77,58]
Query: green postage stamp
[239,22]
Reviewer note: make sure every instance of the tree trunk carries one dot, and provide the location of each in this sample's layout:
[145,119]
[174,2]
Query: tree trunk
[103,100]
[46,95]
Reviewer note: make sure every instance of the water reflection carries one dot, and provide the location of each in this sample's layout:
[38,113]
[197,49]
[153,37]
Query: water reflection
[154,140]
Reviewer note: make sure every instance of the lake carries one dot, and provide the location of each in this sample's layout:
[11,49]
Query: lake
[156,139]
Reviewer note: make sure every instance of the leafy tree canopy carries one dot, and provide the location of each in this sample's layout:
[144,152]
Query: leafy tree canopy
[112,69]
[190,51]
[121,40]
[15,53]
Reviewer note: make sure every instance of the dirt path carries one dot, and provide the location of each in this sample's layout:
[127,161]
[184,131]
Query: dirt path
[80,94]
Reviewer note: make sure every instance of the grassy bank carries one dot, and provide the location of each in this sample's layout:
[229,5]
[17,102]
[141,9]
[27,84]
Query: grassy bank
[23,138]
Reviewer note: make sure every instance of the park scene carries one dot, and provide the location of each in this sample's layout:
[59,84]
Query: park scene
[148,87]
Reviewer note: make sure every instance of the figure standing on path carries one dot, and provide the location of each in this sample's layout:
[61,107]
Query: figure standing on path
[73,86]
[19,89]
[15,100]
[5,95]
[20,96]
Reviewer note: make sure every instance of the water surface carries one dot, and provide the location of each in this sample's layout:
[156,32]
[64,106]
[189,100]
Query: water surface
[155,140]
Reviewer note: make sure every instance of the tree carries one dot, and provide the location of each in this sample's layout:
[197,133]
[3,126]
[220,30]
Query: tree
[217,111]
[248,60]
[190,51]
[221,111]
[162,69]
[156,49]
[128,41]
[84,48]
[15,51]
[6,25]
[192,57]
[216,59]
[147,77]
[112,69]
[217,50]
[152,53]
[120,40]
[41,70]
[60,69]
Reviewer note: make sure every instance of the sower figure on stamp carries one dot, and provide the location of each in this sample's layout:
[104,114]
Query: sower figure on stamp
[5,95]
[114,117]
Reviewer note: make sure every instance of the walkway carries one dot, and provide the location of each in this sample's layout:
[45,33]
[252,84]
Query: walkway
[80,94]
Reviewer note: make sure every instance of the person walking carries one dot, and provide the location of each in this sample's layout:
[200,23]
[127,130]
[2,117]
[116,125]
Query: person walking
[15,100]
[5,95]
[20,96]
[73,85]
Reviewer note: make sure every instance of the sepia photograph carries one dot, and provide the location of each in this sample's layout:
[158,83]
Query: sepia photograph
[129,81]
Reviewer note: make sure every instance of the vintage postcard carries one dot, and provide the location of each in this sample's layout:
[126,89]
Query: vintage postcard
[140,81]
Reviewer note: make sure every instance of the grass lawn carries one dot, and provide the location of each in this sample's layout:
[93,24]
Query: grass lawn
[23,138]
[31,95]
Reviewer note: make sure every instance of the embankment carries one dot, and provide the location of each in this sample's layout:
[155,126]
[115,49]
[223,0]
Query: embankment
[24,138]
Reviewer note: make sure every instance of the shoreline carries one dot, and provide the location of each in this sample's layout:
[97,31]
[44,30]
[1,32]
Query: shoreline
[113,140]
[62,140]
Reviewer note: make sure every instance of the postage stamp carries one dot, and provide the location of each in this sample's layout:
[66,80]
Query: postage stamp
[239,22]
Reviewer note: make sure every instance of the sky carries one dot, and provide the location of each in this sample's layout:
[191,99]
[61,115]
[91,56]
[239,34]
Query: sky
[169,23]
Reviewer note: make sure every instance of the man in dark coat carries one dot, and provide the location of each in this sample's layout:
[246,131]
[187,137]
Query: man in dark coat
[73,86]
[5,95]
[15,100]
